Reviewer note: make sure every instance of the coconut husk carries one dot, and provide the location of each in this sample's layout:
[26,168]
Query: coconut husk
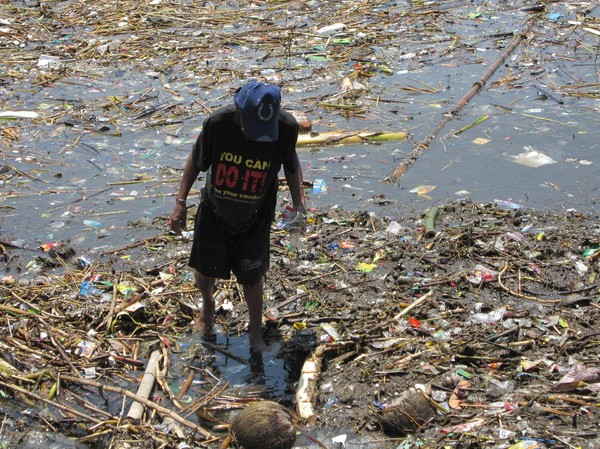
[407,413]
[263,424]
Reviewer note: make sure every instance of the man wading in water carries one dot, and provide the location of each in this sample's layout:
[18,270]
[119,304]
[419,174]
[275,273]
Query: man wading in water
[242,147]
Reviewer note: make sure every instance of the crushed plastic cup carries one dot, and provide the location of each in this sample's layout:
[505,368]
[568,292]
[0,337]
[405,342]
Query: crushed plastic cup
[394,228]
[499,388]
[291,218]
[293,221]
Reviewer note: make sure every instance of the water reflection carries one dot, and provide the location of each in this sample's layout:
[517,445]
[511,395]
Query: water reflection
[248,372]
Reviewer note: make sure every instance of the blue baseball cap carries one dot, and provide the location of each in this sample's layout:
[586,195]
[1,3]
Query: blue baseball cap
[259,105]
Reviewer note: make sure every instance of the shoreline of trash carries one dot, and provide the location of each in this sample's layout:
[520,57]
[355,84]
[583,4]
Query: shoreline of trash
[491,317]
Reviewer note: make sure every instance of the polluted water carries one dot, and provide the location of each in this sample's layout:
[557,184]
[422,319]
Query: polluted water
[100,106]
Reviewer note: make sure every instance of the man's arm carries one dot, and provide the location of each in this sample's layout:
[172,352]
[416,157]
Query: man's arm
[294,181]
[178,220]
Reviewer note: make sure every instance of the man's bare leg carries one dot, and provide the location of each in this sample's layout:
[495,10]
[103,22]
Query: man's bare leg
[206,316]
[253,294]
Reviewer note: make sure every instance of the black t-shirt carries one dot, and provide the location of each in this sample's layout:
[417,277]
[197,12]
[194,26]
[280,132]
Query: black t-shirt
[242,182]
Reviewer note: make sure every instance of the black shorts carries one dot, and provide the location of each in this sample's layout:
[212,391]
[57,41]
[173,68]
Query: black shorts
[216,253]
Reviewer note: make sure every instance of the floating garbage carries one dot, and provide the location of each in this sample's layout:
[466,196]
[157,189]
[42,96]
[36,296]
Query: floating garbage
[319,186]
[331,29]
[402,306]
[533,158]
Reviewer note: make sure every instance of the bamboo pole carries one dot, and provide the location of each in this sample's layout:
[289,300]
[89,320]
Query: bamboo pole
[137,408]
[344,138]
[423,144]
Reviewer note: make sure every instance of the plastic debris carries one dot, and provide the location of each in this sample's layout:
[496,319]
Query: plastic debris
[533,158]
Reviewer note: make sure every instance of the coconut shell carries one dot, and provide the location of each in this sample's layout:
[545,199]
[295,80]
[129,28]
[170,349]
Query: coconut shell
[264,424]
[406,414]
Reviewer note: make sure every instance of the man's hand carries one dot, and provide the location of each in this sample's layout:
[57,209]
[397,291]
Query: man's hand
[298,223]
[178,220]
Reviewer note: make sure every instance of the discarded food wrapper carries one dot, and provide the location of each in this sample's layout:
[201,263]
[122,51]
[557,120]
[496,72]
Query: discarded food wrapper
[339,440]
[135,307]
[88,289]
[83,262]
[319,186]
[482,274]
[85,348]
[48,246]
[528,444]
[481,141]
[579,377]
[92,223]
[331,331]
[126,289]
[464,427]
[507,205]
[365,267]
[423,190]
[553,17]
[19,114]
[47,61]
[505,434]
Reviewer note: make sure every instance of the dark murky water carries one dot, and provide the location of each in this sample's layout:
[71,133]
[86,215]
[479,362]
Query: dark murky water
[100,167]
[89,193]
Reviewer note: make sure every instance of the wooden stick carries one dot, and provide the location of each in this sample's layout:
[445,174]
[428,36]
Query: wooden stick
[423,145]
[60,349]
[161,379]
[409,358]
[419,301]
[49,402]
[162,410]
